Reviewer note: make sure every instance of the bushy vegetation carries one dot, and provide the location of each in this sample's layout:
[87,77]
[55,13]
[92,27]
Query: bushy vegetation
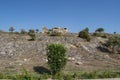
[23,31]
[37,30]
[64,76]
[99,33]
[99,30]
[103,35]
[112,42]
[11,29]
[84,34]
[32,34]
[56,57]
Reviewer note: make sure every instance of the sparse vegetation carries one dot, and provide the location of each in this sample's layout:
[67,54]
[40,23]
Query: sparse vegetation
[113,41]
[32,34]
[56,57]
[84,34]
[99,33]
[23,31]
[99,30]
[37,30]
[11,29]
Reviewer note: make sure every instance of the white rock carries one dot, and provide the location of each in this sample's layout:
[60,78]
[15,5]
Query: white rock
[25,59]
[78,63]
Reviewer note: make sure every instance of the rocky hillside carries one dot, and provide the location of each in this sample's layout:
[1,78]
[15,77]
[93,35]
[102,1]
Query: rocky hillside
[17,52]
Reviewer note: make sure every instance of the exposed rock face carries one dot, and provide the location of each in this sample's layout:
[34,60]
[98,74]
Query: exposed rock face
[79,52]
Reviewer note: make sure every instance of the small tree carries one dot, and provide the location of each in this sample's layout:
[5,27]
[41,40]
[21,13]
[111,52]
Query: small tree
[84,34]
[32,34]
[112,42]
[37,30]
[11,29]
[56,57]
[23,31]
[99,30]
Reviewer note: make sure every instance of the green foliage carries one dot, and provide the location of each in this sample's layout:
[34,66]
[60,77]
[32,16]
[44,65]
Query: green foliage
[23,31]
[113,41]
[11,29]
[32,34]
[37,30]
[68,76]
[97,34]
[99,30]
[56,57]
[84,34]
[58,76]
[114,32]
[103,35]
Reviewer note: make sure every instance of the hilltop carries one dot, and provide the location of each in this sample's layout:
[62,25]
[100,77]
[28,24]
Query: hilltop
[17,52]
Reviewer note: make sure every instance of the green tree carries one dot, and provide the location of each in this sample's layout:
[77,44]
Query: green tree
[114,32]
[11,29]
[32,34]
[84,34]
[23,31]
[56,57]
[37,30]
[112,42]
[99,30]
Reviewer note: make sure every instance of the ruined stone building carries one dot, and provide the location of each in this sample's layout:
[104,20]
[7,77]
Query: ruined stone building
[55,29]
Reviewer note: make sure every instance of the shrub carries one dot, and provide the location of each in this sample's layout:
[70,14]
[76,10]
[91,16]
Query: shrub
[84,34]
[32,34]
[112,42]
[103,35]
[56,57]
[99,30]
[37,30]
[97,34]
[23,31]
[11,29]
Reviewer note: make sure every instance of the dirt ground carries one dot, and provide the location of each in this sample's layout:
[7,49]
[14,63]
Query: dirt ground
[34,62]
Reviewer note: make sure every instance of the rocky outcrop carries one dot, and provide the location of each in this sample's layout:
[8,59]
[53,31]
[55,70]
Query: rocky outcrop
[76,47]
[79,51]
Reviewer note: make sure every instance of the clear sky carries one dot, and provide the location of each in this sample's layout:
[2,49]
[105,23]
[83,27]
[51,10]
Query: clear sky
[73,14]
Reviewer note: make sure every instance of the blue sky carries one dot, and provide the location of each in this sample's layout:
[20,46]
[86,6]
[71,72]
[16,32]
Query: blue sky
[73,14]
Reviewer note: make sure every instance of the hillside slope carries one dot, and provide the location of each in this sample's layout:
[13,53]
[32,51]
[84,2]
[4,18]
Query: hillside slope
[16,53]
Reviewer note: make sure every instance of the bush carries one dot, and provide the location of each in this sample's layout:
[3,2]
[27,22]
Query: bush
[56,57]
[23,31]
[112,42]
[103,35]
[97,34]
[99,30]
[84,34]
[11,29]
[32,34]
